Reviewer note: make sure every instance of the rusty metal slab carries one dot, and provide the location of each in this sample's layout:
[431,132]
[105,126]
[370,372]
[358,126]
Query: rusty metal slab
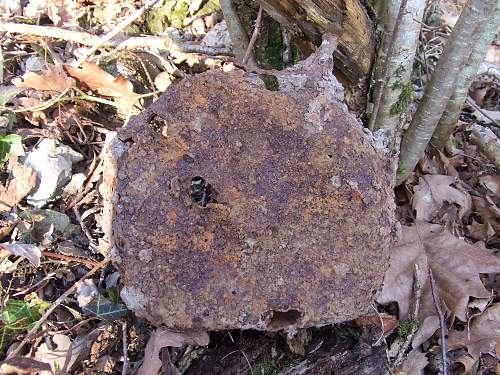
[238,207]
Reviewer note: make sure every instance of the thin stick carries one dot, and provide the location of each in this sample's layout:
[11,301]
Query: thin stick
[417,287]
[162,43]
[56,303]
[385,69]
[116,30]
[255,34]
[125,348]
[473,104]
[442,323]
[86,262]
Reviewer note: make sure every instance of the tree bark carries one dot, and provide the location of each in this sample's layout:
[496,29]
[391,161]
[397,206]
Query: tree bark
[239,38]
[347,20]
[440,88]
[396,88]
[485,36]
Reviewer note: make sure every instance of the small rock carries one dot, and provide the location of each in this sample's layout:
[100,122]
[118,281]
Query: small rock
[34,64]
[218,36]
[162,81]
[43,220]
[52,162]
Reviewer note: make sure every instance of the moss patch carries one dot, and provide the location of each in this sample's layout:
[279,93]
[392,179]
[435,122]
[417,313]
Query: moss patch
[273,54]
[405,98]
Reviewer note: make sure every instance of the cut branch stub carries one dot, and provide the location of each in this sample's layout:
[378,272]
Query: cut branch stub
[238,207]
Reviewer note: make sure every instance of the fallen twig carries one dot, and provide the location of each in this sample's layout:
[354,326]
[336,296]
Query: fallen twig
[255,34]
[488,143]
[414,317]
[125,348]
[473,104]
[56,303]
[114,32]
[442,323]
[161,43]
[86,262]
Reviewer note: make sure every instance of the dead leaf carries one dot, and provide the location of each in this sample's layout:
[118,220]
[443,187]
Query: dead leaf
[389,322]
[492,183]
[28,251]
[64,12]
[432,191]
[456,266]
[487,210]
[54,79]
[103,82]
[162,338]
[482,335]
[481,232]
[414,363]
[23,365]
[22,182]
[65,353]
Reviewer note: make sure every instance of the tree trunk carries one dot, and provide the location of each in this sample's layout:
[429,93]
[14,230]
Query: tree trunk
[397,88]
[348,21]
[440,87]
[450,117]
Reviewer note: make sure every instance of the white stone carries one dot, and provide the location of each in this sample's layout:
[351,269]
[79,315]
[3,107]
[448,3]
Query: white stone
[52,162]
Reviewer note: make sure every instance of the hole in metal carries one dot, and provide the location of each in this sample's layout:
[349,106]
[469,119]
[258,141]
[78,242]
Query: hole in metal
[202,192]
[284,319]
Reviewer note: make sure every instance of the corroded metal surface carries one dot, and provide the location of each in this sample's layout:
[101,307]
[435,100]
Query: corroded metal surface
[239,207]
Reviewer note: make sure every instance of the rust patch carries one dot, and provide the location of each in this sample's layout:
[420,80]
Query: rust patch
[240,215]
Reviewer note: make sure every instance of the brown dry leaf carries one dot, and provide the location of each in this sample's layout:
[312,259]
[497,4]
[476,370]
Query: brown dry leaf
[30,252]
[162,338]
[65,353]
[481,232]
[54,79]
[23,181]
[23,365]
[103,82]
[482,336]
[388,322]
[414,363]
[487,210]
[456,266]
[64,12]
[432,191]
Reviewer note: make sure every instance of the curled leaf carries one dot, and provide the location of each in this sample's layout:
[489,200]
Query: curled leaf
[103,82]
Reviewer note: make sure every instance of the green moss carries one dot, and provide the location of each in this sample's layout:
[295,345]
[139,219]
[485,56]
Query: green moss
[405,98]
[401,171]
[266,367]
[271,82]
[273,54]
[179,13]
[170,13]
[406,327]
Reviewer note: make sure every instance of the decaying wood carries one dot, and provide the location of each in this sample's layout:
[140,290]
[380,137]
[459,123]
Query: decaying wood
[346,19]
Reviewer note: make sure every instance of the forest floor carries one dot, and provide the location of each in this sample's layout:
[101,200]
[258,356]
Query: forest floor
[51,209]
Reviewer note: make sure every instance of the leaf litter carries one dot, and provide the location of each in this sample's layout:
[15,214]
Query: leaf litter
[462,250]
